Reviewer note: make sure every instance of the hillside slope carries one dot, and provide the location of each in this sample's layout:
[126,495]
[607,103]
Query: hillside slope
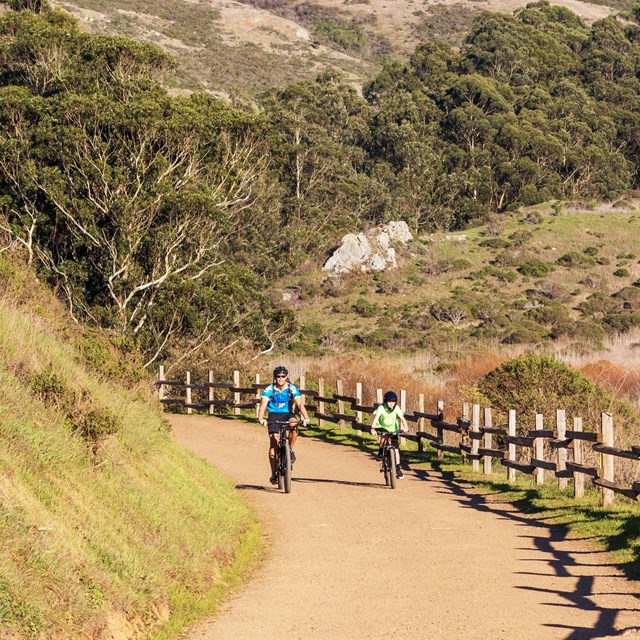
[541,274]
[241,48]
[108,528]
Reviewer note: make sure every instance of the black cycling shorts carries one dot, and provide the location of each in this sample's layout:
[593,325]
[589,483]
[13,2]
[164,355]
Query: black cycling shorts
[274,418]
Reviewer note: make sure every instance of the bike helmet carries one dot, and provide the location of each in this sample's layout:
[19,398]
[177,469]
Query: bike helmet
[280,370]
[390,396]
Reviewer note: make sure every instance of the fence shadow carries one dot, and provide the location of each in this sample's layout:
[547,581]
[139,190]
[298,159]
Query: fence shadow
[561,562]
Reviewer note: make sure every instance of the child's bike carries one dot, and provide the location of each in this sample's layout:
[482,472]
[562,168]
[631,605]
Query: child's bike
[390,457]
[283,455]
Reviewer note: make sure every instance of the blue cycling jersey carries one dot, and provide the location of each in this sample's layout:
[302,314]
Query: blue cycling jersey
[281,401]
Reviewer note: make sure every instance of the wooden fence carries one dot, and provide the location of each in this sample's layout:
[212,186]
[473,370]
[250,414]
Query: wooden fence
[541,452]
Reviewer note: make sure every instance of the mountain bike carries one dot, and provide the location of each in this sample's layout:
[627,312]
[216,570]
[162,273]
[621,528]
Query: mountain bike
[390,456]
[283,455]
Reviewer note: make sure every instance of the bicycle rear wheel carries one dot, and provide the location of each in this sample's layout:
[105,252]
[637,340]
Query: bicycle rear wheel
[392,468]
[286,467]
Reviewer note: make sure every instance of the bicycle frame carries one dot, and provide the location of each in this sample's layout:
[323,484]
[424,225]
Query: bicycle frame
[283,456]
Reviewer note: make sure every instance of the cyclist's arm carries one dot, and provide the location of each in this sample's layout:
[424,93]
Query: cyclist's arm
[301,408]
[264,401]
[403,424]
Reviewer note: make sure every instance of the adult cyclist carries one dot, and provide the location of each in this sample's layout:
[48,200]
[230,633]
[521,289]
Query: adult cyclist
[389,417]
[279,399]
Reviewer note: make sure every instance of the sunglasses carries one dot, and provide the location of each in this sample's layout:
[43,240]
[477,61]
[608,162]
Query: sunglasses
[281,376]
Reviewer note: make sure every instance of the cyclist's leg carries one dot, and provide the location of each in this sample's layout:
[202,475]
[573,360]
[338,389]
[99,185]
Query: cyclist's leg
[274,438]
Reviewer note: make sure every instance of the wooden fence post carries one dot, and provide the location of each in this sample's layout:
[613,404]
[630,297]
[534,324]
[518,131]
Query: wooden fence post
[359,402]
[321,404]
[258,392]
[420,423]
[210,393]
[511,473]
[236,396]
[538,449]
[465,439]
[188,392]
[607,459]
[403,406]
[440,411]
[160,385]
[561,464]
[475,443]
[302,385]
[488,441]
[340,391]
[578,478]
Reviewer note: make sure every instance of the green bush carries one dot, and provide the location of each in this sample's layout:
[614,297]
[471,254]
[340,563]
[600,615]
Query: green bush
[575,259]
[533,384]
[344,35]
[621,273]
[536,268]
[364,308]
[495,243]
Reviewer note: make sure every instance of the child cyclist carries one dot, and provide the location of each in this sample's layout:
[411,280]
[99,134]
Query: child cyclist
[389,417]
[278,399]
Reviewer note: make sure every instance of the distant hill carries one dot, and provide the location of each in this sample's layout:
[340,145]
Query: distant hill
[237,49]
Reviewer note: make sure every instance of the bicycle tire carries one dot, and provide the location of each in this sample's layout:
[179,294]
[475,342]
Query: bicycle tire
[287,467]
[392,469]
[385,468]
[279,469]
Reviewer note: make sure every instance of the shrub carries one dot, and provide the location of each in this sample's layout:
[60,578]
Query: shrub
[449,311]
[533,384]
[495,243]
[519,238]
[575,259]
[597,304]
[364,308]
[621,273]
[523,334]
[536,268]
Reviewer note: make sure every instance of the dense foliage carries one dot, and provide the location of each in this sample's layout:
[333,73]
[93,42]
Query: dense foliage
[533,384]
[162,217]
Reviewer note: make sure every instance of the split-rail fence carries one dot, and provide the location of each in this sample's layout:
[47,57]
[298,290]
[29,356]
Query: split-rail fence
[560,452]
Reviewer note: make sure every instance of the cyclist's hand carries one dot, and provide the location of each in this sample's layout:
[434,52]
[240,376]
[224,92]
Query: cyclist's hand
[263,422]
[305,422]
[404,430]
[374,432]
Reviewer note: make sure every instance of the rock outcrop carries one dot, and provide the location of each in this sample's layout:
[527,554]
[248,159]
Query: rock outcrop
[370,251]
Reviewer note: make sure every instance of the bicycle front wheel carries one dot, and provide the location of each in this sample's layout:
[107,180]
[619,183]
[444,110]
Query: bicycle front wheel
[385,469]
[286,467]
[392,469]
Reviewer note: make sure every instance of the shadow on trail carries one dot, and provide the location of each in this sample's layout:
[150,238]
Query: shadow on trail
[368,485]
[580,593]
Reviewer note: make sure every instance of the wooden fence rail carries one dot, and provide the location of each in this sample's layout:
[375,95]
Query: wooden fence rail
[473,438]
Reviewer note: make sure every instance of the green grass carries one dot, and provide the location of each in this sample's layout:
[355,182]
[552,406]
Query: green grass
[615,529]
[128,525]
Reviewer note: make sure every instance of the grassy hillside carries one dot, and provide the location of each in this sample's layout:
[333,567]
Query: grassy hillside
[547,274]
[239,48]
[107,527]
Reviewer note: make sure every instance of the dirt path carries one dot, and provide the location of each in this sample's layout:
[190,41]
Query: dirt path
[351,559]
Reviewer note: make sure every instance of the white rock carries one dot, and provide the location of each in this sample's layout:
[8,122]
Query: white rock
[372,251]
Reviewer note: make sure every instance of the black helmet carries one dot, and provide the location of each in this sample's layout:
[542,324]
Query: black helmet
[280,370]
[390,396]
